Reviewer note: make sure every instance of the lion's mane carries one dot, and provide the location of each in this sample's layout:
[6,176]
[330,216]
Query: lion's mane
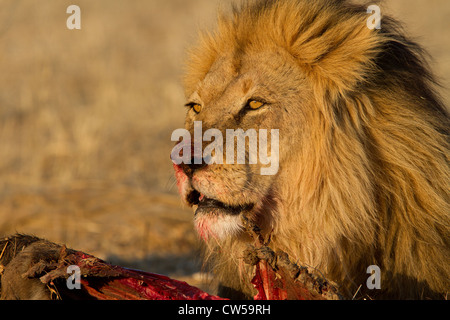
[373,185]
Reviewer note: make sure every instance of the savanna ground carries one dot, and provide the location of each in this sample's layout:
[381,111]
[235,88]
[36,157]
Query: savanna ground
[86,117]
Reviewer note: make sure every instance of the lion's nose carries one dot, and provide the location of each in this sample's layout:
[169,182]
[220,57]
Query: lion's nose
[192,161]
[190,168]
[196,164]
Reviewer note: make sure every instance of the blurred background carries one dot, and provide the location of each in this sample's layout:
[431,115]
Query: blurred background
[86,118]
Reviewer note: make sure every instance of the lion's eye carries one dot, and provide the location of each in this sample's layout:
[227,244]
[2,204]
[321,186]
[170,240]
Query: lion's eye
[255,105]
[195,106]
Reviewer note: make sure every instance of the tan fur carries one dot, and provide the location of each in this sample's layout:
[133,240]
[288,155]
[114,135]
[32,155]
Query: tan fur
[364,159]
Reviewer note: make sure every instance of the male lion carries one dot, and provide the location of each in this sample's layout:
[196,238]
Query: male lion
[364,152]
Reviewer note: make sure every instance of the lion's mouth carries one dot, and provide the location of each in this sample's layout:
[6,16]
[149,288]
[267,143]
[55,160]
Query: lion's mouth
[207,205]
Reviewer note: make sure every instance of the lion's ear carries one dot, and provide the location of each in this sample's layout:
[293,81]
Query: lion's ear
[337,55]
[337,50]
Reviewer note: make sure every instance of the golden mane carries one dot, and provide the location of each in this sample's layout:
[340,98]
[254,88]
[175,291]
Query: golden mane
[374,183]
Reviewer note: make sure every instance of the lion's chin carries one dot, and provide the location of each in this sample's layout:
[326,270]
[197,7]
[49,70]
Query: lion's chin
[217,225]
[215,219]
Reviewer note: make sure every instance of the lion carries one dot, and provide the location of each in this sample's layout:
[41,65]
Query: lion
[363,175]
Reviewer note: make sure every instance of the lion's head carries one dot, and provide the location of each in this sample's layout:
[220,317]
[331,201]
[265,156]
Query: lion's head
[362,172]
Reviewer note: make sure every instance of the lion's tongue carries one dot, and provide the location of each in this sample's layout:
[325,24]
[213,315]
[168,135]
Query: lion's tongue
[202,196]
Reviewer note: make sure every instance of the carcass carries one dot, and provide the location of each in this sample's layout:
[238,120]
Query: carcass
[36,269]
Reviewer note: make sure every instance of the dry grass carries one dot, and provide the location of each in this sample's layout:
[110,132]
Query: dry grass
[95,104]
[85,124]
[86,118]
